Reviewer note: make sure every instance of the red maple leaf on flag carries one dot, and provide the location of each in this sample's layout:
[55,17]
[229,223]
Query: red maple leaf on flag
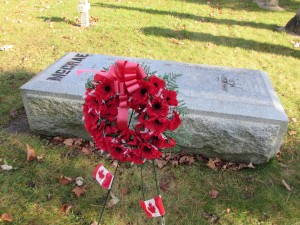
[101,174]
[151,208]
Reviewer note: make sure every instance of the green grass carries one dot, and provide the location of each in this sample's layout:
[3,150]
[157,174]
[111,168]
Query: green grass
[242,36]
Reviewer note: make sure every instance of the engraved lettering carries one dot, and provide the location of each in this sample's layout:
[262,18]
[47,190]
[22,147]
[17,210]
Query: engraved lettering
[59,74]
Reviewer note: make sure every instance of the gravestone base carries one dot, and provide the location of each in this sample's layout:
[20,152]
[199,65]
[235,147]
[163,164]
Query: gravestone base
[233,114]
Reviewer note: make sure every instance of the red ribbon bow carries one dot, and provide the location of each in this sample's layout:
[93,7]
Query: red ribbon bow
[125,76]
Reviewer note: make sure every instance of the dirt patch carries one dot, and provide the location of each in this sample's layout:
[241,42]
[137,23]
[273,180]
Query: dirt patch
[19,124]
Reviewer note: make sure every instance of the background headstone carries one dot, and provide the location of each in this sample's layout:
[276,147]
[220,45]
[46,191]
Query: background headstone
[84,8]
[234,114]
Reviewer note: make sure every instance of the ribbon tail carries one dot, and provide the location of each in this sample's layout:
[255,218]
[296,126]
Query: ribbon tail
[122,119]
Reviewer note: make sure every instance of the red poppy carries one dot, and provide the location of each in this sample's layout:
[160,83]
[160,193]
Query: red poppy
[142,94]
[135,156]
[157,82]
[104,90]
[174,122]
[148,151]
[159,141]
[118,152]
[157,108]
[157,125]
[170,97]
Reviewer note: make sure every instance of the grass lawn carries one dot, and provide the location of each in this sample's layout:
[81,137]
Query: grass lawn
[238,34]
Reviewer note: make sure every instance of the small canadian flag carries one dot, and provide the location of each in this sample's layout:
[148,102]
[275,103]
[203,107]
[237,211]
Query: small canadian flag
[153,207]
[103,176]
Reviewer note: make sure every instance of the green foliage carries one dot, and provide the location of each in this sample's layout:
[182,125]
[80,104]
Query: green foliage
[90,83]
[170,79]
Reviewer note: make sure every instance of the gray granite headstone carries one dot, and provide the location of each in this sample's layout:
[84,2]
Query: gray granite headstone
[234,114]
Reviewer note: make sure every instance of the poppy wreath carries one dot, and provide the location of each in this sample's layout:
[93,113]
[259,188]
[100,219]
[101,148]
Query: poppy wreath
[125,86]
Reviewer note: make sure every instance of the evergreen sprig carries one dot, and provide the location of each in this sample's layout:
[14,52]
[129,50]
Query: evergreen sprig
[90,83]
[170,79]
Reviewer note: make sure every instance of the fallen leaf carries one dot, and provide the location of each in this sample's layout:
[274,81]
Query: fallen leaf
[292,132]
[39,158]
[6,217]
[160,163]
[6,167]
[30,153]
[85,151]
[174,162]
[13,113]
[66,208]
[164,186]
[211,164]
[58,140]
[95,223]
[69,142]
[124,191]
[250,165]
[186,159]
[79,181]
[113,201]
[176,41]
[286,185]
[213,193]
[79,191]
[294,120]
[78,141]
[65,180]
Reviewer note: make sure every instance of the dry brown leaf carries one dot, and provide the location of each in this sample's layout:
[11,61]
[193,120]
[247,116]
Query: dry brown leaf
[13,113]
[65,180]
[250,165]
[85,151]
[176,41]
[69,142]
[174,162]
[286,185]
[164,186]
[295,120]
[6,217]
[292,132]
[124,191]
[79,191]
[160,163]
[228,210]
[186,159]
[78,141]
[65,208]
[113,201]
[30,153]
[58,140]
[211,164]
[95,223]
[39,158]
[213,193]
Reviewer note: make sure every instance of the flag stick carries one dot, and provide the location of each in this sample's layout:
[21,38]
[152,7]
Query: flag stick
[107,195]
[108,192]
[162,218]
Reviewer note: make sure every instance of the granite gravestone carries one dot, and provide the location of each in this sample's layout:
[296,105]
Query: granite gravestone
[234,114]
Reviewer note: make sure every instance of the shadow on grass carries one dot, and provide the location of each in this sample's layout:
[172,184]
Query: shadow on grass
[192,16]
[57,19]
[223,40]
[288,5]
[10,97]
